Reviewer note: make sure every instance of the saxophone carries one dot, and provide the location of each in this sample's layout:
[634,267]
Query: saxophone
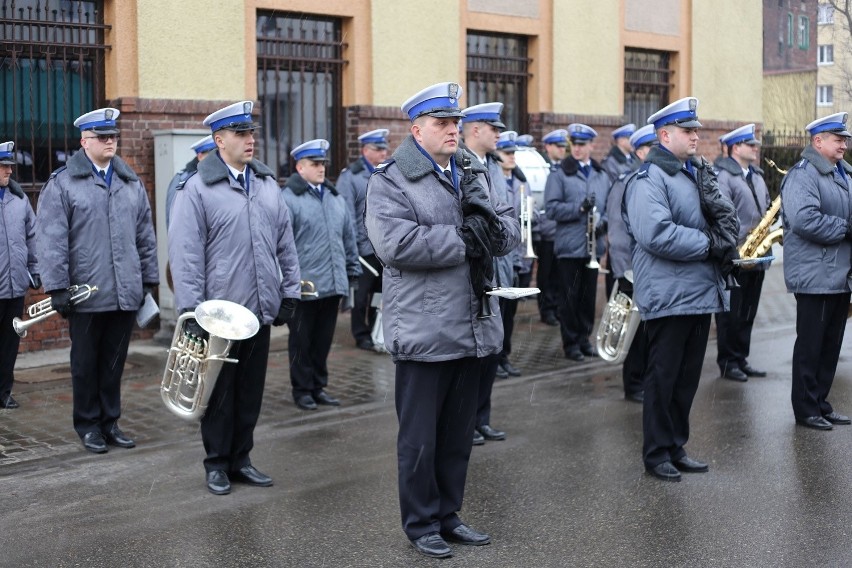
[761,238]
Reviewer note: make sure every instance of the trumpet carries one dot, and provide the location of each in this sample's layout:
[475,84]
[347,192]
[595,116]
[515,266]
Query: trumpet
[309,289]
[44,309]
[527,207]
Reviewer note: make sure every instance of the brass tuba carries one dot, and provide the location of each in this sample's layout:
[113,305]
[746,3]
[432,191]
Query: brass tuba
[618,325]
[761,238]
[193,365]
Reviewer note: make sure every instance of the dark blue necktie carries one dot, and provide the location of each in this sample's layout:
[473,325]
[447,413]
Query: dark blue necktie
[241,180]
[841,171]
[586,170]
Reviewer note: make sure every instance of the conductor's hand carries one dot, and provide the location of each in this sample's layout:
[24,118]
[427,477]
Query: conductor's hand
[285,312]
[36,281]
[60,300]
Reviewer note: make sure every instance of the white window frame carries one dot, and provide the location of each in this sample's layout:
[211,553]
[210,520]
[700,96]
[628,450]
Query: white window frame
[825,14]
[825,95]
[825,54]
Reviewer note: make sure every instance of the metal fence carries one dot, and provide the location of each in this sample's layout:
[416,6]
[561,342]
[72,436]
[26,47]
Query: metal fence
[647,83]
[498,70]
[51,72]
[299,84]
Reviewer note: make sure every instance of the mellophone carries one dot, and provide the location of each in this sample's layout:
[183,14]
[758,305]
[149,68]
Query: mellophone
[44,309]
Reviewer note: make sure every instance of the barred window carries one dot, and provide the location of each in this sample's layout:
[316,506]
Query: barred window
[498,71]
[299,84]
[51,72]
[825,14]
[647,83]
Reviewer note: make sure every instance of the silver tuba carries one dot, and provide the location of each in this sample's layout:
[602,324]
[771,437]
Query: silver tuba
[618,325]
[193,365]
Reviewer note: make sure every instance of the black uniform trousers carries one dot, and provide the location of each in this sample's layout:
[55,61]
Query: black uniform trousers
[488,372]
[436,407]
[227,428]
[10,309]
[311,335]
[820,324]
[676,347]
[363,315]
[99,342]
[546,278]
[577,301]
[733,328]
[633,367]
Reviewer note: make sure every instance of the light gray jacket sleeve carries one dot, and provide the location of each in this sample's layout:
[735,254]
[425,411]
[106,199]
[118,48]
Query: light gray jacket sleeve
[52,237]
[187,249]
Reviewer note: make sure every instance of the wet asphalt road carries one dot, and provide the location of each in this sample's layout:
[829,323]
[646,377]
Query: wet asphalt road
[567,487]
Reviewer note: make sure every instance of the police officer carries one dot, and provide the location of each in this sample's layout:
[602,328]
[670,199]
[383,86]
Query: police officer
[570,195]
[817,233]
[621,263]
[621,158]
[235,243]
[17,264]
[742,182]
[328,257]
[546,276]
[352,185]
[94,227]
[681,245]
[433,226]
[201,148]
[481,127]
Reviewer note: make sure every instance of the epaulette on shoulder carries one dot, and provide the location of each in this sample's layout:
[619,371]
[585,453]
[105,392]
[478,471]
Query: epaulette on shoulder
[383,166]
[801,163]
[184,177]
[57,172]
[642,172]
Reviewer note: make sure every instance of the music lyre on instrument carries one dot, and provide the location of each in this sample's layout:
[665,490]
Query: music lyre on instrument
[44,309]
[193,364]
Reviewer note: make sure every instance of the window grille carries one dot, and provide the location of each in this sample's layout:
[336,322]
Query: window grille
[51,72]
[498,71]
[299,85]
[647,83]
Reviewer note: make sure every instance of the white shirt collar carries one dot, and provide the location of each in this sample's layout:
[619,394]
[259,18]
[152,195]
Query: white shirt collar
[235,172]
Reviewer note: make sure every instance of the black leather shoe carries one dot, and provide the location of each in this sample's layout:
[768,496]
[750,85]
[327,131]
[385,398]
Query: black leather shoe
[734,374]
[365,344]
[574,354]
[815,422]
[490,433]
[751,371]
[463,534]
[635,396]
[250,475]
[550,319]
[501,373]
[323,397]
[510,369]
[306,402]
[432,545]
[688,465]
[95,443]
[478,439]
[9,403]
[836,418]
[116,437]
[217,482]
[588,350]
[665,471]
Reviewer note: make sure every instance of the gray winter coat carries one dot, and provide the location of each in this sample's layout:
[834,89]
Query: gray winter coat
[178,179]
[88,233]
[545,228]
[732,183]
[352,185]
[564,192]
[17,257]
[615,164]
[504,266]
[620,243]
[673,275]
[325,237]
[816,212]
[413,220]
[230,245]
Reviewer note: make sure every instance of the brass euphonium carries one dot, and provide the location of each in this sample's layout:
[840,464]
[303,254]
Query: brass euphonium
[619,322]
[193,365]
[527,208]
[761,238]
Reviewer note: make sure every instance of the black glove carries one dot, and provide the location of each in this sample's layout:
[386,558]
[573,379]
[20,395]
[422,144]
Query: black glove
[718,246]
[353,282]
[600,230]
[516,278]
[587,203]
[475,199]
[60,300]
[285,312]
[191,327]
[36,281]
[848,236]
[475,234]
[146,289]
